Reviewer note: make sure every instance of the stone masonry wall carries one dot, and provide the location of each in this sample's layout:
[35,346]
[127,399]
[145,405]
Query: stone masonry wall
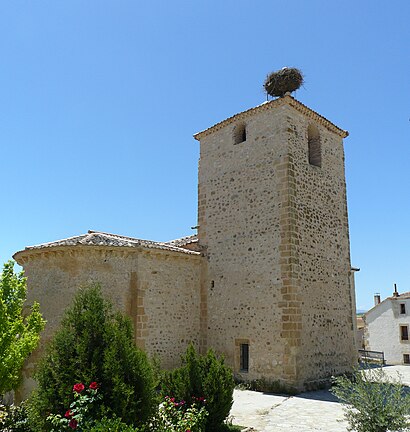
[158,290]
[321,260]
[242,191]
[168,305]
[274,231]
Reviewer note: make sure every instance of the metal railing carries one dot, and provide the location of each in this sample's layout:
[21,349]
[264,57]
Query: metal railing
[368,356]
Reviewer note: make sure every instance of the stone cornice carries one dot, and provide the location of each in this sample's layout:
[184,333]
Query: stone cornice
[24,256]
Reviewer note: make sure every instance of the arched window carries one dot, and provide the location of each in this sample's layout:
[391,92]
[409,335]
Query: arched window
[239,133]
[315,153]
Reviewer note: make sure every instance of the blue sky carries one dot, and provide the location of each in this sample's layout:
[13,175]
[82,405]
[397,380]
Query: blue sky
[99,101]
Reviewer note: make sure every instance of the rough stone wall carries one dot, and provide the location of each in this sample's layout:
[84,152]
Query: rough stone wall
[241,196]
[158,290]
[274,231]
[320,262]
[168,305]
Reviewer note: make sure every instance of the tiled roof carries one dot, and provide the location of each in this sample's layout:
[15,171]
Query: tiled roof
[183,241]
[288,100]
[96,238]
[404,295]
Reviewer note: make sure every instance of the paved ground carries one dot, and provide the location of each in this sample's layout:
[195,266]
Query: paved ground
[307,412]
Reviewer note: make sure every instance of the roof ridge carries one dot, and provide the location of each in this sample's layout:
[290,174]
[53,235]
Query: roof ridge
[287,99]
[110,240]
[188,237]
[116,235]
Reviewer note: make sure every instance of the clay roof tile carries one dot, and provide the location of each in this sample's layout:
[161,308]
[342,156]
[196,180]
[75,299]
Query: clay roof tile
[287,99]
[97,238]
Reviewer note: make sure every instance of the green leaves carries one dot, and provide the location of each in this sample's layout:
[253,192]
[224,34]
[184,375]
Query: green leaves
[373,401]
[203,376]
[174,416]
[19,332]
[95,343]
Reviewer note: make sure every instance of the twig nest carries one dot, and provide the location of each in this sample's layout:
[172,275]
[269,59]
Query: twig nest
[283,81]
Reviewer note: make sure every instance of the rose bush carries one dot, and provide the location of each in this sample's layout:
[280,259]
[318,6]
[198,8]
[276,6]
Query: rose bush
[81,414]
[178,416]
[207,376]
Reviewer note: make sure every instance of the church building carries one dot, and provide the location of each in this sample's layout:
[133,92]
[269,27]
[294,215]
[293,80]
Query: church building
[267,282]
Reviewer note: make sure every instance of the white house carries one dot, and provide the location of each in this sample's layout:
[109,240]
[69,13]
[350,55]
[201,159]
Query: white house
[387,328]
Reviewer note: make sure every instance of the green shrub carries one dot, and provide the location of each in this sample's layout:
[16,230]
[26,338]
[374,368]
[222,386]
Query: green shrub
[14,418]
[373,402]
[176,416]
[94,343]
[112,425]
[202,376]
[81,413]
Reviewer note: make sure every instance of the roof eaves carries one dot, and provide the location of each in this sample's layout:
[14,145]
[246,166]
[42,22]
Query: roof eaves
[184,240]
[129,242]
[289,100]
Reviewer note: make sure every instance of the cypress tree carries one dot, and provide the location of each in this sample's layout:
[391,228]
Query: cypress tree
[95,343]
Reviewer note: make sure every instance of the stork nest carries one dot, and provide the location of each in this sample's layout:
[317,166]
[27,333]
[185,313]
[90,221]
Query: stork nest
[283,81]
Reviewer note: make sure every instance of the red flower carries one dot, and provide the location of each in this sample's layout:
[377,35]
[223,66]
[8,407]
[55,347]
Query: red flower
[93,386]
[78,387]
[68,414]
[73,424]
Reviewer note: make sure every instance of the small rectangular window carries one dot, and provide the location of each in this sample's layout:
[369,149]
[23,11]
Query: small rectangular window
[244,363]
[406,358]
[404,332]
[402,308]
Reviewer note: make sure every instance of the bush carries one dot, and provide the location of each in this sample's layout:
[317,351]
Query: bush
[81,413]
[14,418]
[173,416]
[112,425]
[373,402]
[94,343]
[202,376]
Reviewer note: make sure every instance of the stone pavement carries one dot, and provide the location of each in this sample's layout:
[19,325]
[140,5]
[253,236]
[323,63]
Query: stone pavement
[316,411]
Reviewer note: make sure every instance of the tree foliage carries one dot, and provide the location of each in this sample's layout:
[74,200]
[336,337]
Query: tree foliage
[203,376]
[373,401]
[19,334]
[95,343]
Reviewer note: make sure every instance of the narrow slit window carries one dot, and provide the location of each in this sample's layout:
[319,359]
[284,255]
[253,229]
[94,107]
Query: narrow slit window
[404,333]
[239,134]
[314,147]
[402,308]
[406,358]
[244,360]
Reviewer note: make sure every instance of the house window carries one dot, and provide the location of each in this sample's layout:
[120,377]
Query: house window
[315,152]
[406,358]
[244,359]
[404,332]
[402,308]
[239,133]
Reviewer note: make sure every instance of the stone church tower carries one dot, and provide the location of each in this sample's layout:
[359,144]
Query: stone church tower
[273,228]
[267,281]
